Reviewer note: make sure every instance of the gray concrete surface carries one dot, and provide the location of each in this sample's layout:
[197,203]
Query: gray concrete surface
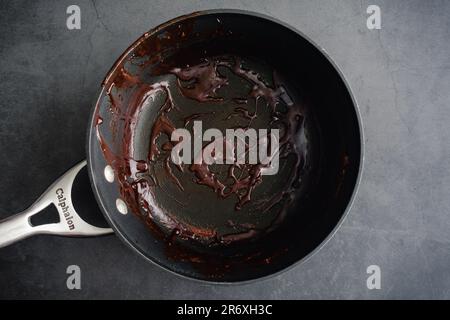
[400,75]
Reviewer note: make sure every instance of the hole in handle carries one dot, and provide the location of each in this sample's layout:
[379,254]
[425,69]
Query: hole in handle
[84,201]
[48,215]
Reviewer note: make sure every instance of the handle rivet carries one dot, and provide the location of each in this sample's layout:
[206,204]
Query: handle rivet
[109,174]
[121,206]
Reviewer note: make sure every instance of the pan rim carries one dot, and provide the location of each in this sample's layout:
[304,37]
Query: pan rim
[356,108]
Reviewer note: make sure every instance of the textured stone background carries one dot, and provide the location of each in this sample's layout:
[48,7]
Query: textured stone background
[400,76]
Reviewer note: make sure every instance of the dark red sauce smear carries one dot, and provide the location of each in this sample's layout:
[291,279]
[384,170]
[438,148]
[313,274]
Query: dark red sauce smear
[200,83]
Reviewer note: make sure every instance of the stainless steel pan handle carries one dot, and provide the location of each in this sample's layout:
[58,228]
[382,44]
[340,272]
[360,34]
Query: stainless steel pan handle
[18,226]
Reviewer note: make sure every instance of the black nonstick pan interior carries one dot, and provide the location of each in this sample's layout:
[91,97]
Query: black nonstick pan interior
[227,69]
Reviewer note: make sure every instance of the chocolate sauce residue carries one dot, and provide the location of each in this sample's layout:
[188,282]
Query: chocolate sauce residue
[136,178]
[203,81]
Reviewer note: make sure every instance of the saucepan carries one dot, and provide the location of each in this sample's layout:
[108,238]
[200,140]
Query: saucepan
[224,146]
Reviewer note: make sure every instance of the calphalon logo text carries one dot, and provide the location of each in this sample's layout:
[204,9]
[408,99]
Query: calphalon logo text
[65,208]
